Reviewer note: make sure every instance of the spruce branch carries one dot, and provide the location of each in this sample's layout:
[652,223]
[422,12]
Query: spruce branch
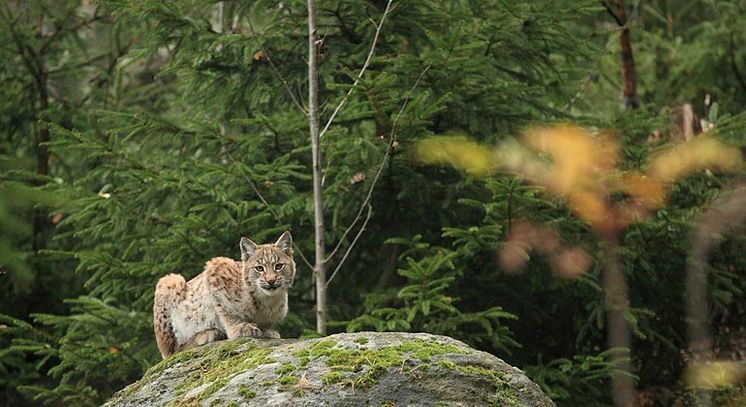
[734,64]
[259,195]
[274,68]
[613,14]
[352,245]
[22,47]
[59,27]
[379,171]
[362,70]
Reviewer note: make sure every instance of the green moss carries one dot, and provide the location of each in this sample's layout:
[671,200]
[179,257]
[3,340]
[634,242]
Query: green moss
[331,377]
[158,368]
[287,380]
[233,404]
[355,367]
[171,361]
[320,348]
[287,367]
[366,365]
[304,356]
[504,394]
[447,364]
[341,359]
[230,348]
[303,361]
[219,365]
[246,392]
[425,350]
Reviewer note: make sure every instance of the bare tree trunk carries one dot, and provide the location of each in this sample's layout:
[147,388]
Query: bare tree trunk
[318,214]
[629,75]
[629,95]
[697,315]
[726,216]
[618,332]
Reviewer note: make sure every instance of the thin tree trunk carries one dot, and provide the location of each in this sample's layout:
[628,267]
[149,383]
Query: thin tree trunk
[618,333]
[726,216]
[697,315]
[318,215]
[629,76]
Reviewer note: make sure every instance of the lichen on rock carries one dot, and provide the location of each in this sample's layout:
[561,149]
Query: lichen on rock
[367,368]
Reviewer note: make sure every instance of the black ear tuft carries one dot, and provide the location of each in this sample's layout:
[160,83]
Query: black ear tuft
[247,248]
[285,243]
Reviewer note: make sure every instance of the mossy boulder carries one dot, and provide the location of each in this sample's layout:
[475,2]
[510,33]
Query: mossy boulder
[360,369]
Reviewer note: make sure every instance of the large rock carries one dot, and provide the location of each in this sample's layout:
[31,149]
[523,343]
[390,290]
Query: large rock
[367,368]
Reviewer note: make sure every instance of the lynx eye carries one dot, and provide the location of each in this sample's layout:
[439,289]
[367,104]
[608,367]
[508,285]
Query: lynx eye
[259,269]
[279,266]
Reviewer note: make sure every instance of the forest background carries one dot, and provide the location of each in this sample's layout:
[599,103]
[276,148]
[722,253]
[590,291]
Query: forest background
[144,137]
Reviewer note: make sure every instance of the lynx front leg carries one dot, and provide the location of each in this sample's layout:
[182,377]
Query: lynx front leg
[235,328]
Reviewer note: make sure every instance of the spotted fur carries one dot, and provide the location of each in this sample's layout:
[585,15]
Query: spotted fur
[229,299]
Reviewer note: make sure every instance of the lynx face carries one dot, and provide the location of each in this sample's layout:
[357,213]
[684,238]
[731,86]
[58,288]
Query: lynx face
[269,266]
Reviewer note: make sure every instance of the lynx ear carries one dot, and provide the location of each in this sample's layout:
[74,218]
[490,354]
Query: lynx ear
[285,243]
[247,248]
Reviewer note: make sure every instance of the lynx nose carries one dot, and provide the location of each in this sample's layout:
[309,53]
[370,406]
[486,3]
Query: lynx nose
[271,281]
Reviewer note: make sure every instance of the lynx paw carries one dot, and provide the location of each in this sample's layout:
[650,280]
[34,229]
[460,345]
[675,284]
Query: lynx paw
[247,330]
[271,334]
[207,336]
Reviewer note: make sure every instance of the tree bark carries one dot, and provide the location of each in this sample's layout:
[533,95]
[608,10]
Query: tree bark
[629,76]
[318,214]
[618,333]
[726,216]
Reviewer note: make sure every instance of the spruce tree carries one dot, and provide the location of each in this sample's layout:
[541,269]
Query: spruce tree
[177,126]
[218,148]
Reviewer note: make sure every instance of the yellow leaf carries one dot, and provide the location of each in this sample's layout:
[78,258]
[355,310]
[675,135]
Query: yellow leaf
[458,151]
[711,375]
[702,152]
[580,159]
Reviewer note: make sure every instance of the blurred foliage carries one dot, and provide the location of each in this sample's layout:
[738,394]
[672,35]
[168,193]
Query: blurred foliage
[171,133]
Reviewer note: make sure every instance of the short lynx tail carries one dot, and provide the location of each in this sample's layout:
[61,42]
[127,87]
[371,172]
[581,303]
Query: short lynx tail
[169,291]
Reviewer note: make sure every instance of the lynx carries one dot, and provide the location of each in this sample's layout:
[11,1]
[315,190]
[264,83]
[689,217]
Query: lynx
[229,299]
